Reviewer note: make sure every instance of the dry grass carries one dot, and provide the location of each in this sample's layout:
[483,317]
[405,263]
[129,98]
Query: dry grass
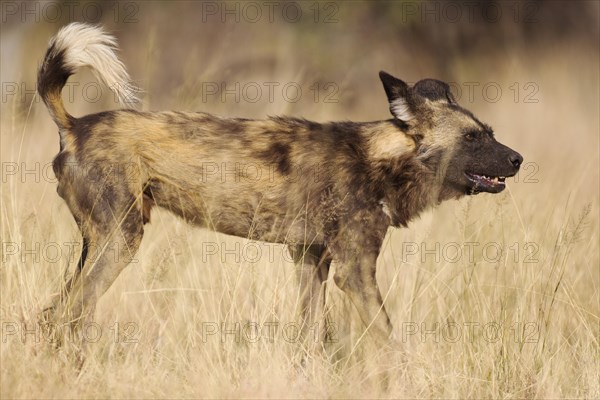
[528,319]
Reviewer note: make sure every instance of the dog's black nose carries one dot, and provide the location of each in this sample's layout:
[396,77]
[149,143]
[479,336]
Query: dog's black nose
[516,160]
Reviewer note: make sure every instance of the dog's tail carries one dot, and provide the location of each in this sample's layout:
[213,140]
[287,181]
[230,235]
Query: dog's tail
[75,46]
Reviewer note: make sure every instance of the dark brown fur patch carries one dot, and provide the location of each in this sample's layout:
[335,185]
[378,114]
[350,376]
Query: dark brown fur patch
[52,76]
[147,204]
[84,126]
[279,155]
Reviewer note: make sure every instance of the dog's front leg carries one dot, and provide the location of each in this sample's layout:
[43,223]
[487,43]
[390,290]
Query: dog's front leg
[357,281]
[356,249]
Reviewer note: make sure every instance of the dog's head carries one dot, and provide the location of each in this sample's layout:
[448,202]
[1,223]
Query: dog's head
[450,140]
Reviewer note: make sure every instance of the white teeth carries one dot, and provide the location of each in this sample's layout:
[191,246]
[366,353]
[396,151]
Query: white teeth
[495,180]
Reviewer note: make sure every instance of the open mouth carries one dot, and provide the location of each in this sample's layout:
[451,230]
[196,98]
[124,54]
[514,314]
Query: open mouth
[484,183]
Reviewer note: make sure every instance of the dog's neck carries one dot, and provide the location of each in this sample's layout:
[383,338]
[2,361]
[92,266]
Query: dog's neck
[407,178]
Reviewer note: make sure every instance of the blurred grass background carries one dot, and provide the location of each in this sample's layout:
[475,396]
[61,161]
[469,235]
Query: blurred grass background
[542,55]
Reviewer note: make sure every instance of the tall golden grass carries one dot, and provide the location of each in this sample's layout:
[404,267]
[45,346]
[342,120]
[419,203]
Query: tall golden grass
[474,321]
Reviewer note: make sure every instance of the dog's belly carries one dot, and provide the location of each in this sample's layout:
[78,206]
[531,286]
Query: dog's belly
[264,216]
[269,229]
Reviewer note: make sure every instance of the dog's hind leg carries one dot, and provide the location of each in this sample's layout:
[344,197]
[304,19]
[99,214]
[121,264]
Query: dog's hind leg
[112,235]
[312,263]
[114,248]
[85,246]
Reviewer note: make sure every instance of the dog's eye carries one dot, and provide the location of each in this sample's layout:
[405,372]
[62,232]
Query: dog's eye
[471,135]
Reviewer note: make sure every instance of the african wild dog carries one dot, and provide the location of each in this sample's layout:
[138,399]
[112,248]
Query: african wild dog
[351,180]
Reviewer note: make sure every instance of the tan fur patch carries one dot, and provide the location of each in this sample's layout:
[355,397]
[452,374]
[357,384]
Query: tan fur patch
[389,143]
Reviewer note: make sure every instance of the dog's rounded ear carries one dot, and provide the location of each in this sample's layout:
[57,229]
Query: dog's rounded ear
[434,90]
[403,102]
